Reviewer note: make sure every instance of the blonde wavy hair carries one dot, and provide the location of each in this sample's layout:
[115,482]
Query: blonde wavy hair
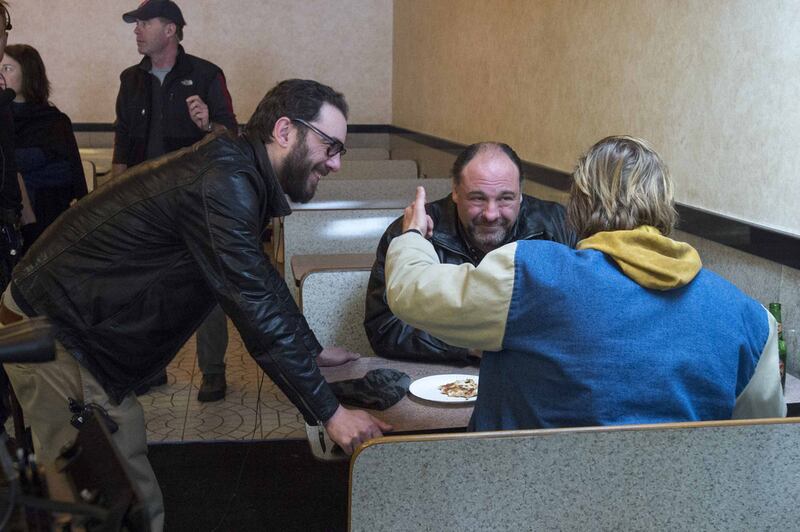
[621,183]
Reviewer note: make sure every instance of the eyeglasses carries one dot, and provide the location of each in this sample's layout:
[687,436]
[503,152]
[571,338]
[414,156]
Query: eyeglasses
[335,146]
[7,17]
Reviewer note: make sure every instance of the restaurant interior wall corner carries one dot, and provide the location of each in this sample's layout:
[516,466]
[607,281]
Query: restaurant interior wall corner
[715,86]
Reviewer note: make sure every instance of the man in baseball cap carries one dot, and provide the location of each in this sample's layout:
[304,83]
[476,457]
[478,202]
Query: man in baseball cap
[171,100]
[156,8]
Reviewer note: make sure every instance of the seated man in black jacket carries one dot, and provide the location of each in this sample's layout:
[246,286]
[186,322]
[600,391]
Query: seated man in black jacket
[485,211]
[129,272]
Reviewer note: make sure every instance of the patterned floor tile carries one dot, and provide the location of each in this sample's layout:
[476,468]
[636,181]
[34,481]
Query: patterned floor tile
[173,413]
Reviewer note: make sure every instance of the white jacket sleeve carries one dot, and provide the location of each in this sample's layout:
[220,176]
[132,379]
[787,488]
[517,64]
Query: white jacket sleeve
[763,395]
[464,305]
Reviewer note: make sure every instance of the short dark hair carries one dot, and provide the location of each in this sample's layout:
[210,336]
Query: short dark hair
[472,150]
[293,98]
[35,85]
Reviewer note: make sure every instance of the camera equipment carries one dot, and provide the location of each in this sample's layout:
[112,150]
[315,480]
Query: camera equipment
[107,497]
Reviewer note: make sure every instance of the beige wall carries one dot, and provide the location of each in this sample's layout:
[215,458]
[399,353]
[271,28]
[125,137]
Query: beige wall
[714,84]
[345,43]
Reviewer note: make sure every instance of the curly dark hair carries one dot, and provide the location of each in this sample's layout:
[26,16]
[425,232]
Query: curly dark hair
[292,98]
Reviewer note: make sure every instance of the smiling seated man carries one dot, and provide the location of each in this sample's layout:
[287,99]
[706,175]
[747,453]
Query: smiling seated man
[627,328]
[485,210]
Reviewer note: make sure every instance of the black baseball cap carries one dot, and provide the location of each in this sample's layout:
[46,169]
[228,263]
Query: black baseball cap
[156,8]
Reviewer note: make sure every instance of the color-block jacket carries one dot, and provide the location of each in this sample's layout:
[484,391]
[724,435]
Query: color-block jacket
[131,271]
[626,329]
[392,338]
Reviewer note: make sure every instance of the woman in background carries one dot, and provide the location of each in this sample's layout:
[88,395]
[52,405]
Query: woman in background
[46,151]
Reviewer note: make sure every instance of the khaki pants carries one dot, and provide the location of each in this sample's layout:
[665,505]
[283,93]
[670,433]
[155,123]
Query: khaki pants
[43,391]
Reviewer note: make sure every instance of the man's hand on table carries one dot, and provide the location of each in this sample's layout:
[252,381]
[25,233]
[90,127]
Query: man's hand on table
[349,428]
[335,356]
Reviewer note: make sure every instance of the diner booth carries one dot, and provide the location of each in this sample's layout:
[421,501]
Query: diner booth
[725,475]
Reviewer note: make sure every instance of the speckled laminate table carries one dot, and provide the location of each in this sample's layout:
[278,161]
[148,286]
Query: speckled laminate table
[410,414]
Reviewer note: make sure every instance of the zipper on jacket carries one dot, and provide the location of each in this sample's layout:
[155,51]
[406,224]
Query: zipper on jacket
[321,434]
[532,236]
[303,402]
[459,252]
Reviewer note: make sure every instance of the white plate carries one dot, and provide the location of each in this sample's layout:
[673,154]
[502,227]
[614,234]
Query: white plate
[428,388]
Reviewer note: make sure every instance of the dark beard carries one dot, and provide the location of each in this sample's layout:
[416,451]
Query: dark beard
[296,173]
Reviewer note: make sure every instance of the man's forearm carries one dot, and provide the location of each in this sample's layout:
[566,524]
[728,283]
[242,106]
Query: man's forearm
[461,304]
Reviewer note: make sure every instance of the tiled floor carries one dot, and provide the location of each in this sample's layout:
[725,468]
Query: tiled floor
[174,414]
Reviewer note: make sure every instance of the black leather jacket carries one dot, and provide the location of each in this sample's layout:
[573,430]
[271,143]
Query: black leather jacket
[129,273]
[392,338]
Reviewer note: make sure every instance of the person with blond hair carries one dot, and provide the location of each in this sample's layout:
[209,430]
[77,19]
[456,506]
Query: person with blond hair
[626,328]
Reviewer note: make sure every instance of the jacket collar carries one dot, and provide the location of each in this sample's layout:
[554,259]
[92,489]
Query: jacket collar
[181,67]
[449,233]
[276,198]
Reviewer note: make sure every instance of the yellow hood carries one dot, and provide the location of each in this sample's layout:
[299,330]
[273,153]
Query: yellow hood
[646,256]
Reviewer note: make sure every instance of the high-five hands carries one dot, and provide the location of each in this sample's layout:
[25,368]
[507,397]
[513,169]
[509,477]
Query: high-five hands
[415,217]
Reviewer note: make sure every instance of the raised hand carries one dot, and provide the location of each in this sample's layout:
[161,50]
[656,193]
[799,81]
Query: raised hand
[415,217]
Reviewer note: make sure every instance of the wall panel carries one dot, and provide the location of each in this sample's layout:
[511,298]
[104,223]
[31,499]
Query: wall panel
[714,85]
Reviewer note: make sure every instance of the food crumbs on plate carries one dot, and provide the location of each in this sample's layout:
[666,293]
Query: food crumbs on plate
[466,389]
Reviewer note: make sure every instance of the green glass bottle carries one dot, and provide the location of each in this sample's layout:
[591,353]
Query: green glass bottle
[775,310]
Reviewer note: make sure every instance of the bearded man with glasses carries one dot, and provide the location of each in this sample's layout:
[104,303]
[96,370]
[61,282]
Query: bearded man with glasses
[128,274]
